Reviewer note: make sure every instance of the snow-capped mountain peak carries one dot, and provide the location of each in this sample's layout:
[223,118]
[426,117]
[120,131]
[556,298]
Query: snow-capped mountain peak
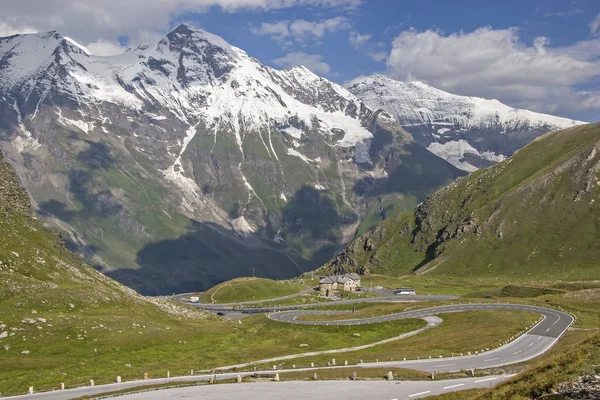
[470,132]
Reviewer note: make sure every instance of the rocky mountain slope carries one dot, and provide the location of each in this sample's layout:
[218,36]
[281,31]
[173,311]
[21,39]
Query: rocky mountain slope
[469,132]
[38,271]
[535,215]
[185,162]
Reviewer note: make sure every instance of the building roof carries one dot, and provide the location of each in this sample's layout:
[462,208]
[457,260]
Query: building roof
[340,278]
[326,280]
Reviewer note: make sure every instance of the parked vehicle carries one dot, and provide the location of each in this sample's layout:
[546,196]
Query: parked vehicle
[194,299]
[404,291]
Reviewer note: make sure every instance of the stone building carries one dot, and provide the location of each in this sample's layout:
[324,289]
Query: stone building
[330,285]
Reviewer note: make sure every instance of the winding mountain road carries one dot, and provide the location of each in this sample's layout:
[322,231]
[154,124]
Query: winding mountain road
[243,306]
[536,341]
[533,343]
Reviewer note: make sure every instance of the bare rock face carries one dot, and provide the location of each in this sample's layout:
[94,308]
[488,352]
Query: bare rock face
[11,193]
[586,387]
[185,162]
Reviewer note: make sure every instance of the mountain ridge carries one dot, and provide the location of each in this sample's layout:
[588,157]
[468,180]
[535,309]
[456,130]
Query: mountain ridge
[469,132]
[176,157]
[532,216]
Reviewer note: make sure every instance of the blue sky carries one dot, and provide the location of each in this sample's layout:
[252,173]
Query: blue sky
[541,55]
[384,20]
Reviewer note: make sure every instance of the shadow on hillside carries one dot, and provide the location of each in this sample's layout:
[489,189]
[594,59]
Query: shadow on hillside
[202,258]
[417,173]
[313,214]
[208,254]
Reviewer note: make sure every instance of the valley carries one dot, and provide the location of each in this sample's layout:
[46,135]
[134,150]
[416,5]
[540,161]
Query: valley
[180,217]
[131,171]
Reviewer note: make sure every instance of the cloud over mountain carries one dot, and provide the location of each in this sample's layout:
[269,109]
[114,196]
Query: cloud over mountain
[495,63]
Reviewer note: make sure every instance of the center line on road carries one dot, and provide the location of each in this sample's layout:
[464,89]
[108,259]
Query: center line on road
[418,394]
[547,329]
[539,338]
[492,359]
[485,380]
[444,365]
[517,352]
[454,386]
[530,344]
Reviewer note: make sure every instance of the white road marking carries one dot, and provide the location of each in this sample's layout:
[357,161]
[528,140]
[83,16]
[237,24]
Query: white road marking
[454,386]
[485,380]
[556,321]
[492,359]
[444,365]
[517,352]
[530,344]
[539,338]
[418,394]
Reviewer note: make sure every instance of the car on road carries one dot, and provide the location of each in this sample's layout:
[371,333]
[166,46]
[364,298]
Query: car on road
[404,291]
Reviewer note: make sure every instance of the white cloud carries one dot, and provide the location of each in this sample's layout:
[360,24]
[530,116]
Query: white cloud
[595,25]
[88,21]
[314,62]
[563,14]
[363,42]
[7,29]
[496,64]
[378,55]
[105,48]
[300,29]
[357,40]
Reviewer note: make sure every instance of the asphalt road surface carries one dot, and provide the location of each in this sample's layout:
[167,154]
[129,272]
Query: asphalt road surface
[291,390]
[347,390]
[241,306]
[535,342]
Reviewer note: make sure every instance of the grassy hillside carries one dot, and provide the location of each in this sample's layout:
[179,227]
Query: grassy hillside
[535,215]
[570,374]
[62,321]
[249,289]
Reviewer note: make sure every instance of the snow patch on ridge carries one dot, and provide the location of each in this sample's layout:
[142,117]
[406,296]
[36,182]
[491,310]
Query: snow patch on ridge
[292,152]
[454,152]
[242,227]
[175,173]
[82,125]
[74,43]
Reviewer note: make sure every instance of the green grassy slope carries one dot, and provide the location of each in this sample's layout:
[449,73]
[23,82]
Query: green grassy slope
[535,215]
[249,289]
[62,321]
[546,377]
